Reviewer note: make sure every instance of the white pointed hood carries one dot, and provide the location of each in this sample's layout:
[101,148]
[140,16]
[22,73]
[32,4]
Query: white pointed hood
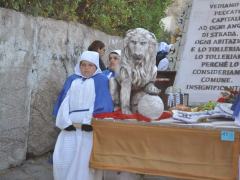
[164,47]
[118,51]
[90,56]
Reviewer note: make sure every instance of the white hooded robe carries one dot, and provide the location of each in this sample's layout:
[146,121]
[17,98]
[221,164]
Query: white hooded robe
[73,148]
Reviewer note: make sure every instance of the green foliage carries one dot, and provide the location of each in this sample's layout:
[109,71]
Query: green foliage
[111,16]
[57,9]
[210,105]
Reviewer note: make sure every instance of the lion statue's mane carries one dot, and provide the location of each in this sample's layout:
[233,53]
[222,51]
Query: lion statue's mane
[137,71]
[145,71]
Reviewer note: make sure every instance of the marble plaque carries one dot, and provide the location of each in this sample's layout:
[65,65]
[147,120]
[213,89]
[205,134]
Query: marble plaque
[210,59]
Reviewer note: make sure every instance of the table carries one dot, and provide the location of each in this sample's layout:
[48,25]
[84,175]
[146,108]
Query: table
[166,149]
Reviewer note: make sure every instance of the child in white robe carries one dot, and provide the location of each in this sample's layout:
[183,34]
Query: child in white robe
[85,93]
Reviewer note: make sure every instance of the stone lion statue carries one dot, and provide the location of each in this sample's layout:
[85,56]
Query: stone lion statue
[137,71]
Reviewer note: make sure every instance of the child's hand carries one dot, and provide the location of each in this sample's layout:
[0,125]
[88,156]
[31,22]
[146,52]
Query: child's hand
[70,128]
[87,127]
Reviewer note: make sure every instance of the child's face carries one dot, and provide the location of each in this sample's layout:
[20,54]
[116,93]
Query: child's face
[113,61]
[87,68]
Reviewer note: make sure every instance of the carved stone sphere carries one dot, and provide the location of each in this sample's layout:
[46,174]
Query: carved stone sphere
[151,106]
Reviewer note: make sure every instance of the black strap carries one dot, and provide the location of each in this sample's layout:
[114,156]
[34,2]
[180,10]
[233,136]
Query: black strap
[70,128]
[87,127]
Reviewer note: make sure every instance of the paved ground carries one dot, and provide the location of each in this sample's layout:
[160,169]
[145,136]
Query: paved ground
[41,169]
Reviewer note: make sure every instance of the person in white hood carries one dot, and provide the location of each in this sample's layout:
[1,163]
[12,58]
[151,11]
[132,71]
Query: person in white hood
[84,94]
[162,61]
[114,61]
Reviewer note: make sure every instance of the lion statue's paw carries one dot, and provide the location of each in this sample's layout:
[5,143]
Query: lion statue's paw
[126,111]
[152,89]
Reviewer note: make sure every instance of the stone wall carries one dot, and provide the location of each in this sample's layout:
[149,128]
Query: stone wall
[36,56]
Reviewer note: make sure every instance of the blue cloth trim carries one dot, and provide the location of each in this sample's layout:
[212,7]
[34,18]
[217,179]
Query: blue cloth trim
[236,106]
[103,101]
[63,93]
[80,110]
[108,71]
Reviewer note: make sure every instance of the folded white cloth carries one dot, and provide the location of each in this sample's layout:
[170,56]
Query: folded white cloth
[220,111]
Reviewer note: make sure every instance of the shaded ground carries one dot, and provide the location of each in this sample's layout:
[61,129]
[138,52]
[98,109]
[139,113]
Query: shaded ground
[33,169]
[40,169]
